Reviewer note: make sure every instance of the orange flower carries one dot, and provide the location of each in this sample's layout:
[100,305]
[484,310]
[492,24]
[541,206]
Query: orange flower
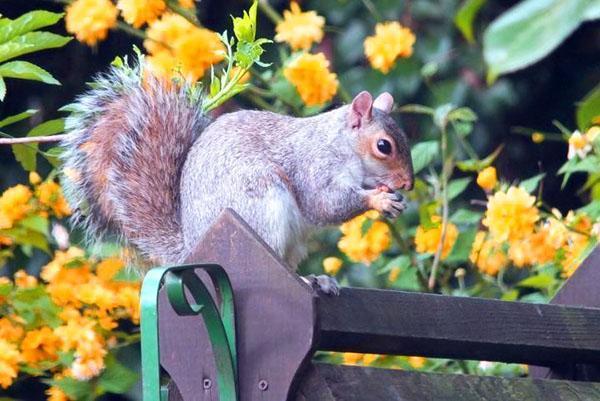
[300,29]
[427,240]
[138,12]
[90,20]
[487,178]
[391,41]
[24,280]
[511,215]
[364,248]
[50,194]
[310,75]
[40,345]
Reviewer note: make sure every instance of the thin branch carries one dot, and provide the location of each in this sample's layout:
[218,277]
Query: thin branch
[269,11]
[33,139]
[444,181]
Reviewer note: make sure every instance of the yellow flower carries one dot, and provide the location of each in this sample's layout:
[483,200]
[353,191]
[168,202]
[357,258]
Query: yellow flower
[138,12]
[56,394]
[79,335]
[578,145]
[34,178]
[50,194]
[90,20]
[391,40]
[592,134]
[129,299]
[574,253]
[394,274]
[417,362]
[187,3]
[9,363]
[107,269]
[351,358]
[364,248]
[538,137]
[487,256]
[174,42]
[40,345]
[535,248]
[511,215]
[24,280]
[332,265]
[300,29]
[51,270]
[369,358]
[198,51]
[14,205]
[10,331]
[427,240]
[487,178]
[312,79]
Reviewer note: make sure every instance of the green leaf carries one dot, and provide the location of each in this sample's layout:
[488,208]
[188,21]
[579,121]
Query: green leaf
[590,164]
[466,15]
[28,22]
[50,127]
[53,156]
[36,223]
[26,154]
[540,281]
[416,109]
[478,165]
[465,216]
[25,70]
[588,109]
[592,209]
[116,378]
[31,42]
[2,89]
[456,187]
[24,236]
[528,32]
[366,226]
[423,154]
[462,247]
[36,307]
[463,114]
[17,117]
[75,389]
[531,184]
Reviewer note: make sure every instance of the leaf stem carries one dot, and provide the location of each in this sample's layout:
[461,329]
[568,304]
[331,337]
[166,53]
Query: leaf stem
[9,140]
[444,190]
[269,11]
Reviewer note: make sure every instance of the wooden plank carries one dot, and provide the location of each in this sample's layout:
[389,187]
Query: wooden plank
[581,289]
[275,319]
[394,322]
[324,382]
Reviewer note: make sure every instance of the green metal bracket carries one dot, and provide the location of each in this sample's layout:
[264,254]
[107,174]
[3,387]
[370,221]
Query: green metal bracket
[220,323]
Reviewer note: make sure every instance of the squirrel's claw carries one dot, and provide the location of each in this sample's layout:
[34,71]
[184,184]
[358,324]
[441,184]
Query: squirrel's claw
[389,204]
[323,283]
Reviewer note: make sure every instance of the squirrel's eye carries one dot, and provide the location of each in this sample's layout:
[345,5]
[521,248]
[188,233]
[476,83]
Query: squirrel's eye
[384,146]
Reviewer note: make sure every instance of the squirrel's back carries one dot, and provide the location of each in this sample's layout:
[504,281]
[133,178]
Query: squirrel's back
[128,140]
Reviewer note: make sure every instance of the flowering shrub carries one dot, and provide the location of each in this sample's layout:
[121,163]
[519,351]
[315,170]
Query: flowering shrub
[468,230]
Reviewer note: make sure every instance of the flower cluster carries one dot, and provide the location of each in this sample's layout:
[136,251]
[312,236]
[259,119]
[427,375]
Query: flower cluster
[300,29]
[427,239]
[70,322]
[518,235]
[390,42]
[364,245]
[310,75]
[24,210]
[175,43]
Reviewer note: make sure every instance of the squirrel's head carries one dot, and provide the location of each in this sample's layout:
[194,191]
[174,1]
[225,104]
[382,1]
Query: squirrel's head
[382,145]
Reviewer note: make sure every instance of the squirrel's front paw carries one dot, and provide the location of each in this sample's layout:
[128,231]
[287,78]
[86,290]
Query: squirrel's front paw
[389,204]
[323,283]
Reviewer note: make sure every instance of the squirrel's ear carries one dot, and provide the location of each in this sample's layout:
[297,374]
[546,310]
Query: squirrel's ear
[384,102]
[361,108]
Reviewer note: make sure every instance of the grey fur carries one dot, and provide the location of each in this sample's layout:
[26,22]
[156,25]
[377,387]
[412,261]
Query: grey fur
[283,175]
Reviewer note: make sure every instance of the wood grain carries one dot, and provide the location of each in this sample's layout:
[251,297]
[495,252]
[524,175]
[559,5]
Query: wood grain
[394,322]
[324,382]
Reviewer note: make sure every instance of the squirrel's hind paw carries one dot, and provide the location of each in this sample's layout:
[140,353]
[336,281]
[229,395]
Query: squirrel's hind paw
[323,283]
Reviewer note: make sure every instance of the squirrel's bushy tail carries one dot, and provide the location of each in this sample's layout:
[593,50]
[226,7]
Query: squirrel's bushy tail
[127,143]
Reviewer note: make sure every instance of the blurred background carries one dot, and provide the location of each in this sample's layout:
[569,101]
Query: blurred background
[444,68]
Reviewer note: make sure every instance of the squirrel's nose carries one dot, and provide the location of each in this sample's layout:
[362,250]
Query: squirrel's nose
[404,182]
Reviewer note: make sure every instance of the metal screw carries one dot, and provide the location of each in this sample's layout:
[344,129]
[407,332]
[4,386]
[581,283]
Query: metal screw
[207,383]
[263,385]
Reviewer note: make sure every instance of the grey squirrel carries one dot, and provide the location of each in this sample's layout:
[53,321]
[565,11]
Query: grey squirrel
[143,163]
